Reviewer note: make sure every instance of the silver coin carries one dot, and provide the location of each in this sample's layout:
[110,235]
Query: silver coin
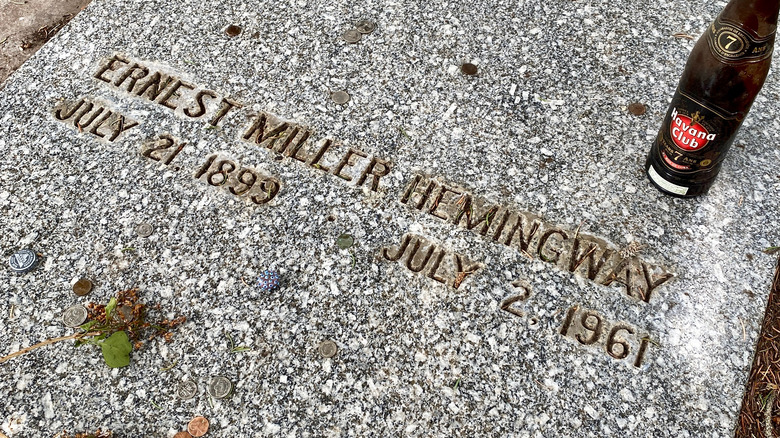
[187,389]
[340,97]
[74,316]
[220,387]
[144,230]
[23,261]
[352,36]
[365,26]
[328,349]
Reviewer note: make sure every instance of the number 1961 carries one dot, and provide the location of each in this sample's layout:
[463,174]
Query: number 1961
[588,327]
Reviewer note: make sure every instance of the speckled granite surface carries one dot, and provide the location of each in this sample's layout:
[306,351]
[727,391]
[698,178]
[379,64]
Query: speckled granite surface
[537,171]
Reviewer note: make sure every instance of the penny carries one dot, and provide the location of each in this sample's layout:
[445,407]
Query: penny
[233,30]
[328,349]
[198,426]
[23,261]
[637,109]
[144,230]
[340,97]
[74,316]
[468,68]
[352,36]
[187,389]
[344,241]
[365,26]
[82,287]
[220,387]
[182,435]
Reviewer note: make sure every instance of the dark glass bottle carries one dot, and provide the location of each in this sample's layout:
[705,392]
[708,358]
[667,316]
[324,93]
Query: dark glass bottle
[724,73]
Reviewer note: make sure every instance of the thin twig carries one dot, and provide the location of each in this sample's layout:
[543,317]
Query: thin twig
[45,343]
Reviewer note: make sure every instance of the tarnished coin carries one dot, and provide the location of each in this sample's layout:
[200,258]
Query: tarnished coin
[637,109]
[344,241]
[233,30]
[352,36]
[468,68]
[187,389]
[74,316]
[144,230]
[182,435]
[198,426]
[328,349]
[82,287]
[23,261]
[365,26]
[340,97]
[220,387]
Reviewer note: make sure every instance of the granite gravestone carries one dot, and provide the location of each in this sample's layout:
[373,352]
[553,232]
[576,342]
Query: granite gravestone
[510,270]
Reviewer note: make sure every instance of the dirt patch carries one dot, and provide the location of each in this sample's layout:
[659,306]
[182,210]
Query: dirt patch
[760,416]
[25,25]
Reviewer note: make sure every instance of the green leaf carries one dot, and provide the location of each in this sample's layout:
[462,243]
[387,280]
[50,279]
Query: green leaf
[772,250]
[88,325]
[116,350]
[110,307]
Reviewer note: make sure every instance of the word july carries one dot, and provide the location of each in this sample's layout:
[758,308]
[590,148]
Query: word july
[423,256]
[94,118]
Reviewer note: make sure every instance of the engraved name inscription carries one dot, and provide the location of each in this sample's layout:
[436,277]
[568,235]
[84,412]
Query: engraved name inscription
[423,256]
[584,255]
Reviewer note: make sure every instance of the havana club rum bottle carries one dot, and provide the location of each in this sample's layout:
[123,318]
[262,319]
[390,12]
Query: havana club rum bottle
[723,75]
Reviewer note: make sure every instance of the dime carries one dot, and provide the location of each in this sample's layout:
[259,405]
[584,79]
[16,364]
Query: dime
[328,349]
[74,316]
[23,261]
[365,26]
[144,230]
[352,36]
[340,97]
[187,389]
[198,426]
[82,287]
[468,69]
[233,30]
[220,387]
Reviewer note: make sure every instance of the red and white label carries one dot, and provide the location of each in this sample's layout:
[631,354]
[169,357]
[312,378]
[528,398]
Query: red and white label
[687,134]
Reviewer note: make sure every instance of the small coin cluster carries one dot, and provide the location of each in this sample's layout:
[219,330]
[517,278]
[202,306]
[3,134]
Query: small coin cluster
[220,387]
[363,27]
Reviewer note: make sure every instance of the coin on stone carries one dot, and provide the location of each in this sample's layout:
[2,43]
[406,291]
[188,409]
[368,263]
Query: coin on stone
[344,241]
[198,426]
[365,26]
[187,389]
[144,230]
[74,316]
[233,30]
[637,109]
[468,69]
[220,387]
[328,349]
[352,36]
[182,435]
[340,97]
[23,261]
[82,287]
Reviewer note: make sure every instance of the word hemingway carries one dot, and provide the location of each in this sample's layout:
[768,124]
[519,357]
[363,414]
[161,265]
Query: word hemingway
[578,253]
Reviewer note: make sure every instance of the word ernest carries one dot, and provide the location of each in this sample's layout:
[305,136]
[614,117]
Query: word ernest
[584,255]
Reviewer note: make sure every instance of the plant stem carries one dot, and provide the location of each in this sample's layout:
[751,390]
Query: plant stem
[45,343]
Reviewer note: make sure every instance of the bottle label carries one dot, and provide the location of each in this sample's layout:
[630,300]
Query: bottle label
[730,43]
[695,136]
